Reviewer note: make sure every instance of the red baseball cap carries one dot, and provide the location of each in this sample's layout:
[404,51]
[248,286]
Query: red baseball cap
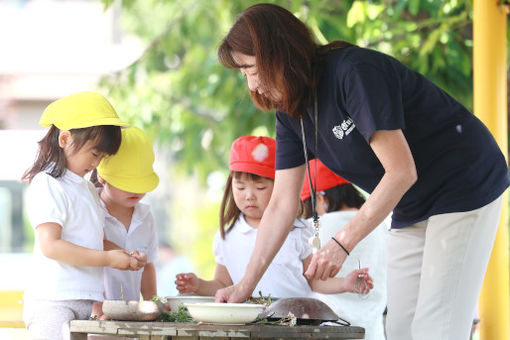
[326,179]
[255,155]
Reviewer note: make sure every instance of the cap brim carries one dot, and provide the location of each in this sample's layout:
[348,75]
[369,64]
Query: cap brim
[252,168]
[80,125]
[137,185]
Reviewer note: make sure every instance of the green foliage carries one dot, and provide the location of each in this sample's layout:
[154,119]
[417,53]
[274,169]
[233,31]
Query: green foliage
[179,92]
[195,220]
[181,315]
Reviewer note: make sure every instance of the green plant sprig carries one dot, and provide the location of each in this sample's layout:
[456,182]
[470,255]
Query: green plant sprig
[260,300]
[181,315]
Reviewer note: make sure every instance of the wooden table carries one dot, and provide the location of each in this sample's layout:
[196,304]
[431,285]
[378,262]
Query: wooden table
[194,331]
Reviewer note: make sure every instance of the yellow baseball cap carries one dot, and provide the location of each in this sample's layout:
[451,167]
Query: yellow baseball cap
[80,110]
[130,169]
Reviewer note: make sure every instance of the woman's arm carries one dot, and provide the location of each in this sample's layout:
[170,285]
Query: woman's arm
[273,229]
[148,287]
[392,150]
[52,246]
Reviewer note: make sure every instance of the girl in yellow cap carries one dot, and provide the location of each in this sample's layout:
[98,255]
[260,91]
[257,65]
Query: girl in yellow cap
[63,209]
[125,179]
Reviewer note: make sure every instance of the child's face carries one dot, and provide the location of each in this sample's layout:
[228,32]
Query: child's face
[252,197]
[120,197]
[84,160]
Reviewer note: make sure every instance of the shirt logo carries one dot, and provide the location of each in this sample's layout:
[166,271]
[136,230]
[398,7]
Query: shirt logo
[342,130]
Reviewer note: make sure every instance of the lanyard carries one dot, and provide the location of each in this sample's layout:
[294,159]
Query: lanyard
[315,240]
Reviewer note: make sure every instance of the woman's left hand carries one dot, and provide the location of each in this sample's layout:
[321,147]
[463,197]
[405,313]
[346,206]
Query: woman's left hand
[326,262]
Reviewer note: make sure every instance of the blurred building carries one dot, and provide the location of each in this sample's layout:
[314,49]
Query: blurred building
[53,48]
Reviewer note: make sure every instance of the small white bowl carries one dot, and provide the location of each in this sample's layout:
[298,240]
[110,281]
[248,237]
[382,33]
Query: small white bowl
[131,310]
[225,313]
[175,301]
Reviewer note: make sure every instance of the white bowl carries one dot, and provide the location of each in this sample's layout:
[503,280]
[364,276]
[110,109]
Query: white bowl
[224,313]
[175,301]
[131,310]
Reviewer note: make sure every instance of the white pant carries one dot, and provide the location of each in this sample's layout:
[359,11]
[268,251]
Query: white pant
[49,320]
[435,272]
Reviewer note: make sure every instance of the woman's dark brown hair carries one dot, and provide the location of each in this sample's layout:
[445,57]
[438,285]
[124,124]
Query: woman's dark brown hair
[229,212]
[51,158]
[343,195]
[286,55]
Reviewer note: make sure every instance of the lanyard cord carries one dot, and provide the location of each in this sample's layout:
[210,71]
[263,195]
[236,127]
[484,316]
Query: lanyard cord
[313,189]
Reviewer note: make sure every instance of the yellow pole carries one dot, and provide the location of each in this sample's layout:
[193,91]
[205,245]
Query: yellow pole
[490,105]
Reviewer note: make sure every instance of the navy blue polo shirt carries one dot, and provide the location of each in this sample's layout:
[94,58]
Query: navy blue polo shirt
[460,166]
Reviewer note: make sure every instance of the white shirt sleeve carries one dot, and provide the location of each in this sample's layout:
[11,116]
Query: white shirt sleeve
[152,248]
[304,248]
[218,249]
[46,201]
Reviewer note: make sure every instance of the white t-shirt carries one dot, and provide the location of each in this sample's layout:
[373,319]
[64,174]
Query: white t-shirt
[284,276]
[126,284]
[371,251]
[72,202]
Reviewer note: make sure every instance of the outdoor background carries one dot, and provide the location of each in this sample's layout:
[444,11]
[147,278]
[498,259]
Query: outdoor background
[156,62]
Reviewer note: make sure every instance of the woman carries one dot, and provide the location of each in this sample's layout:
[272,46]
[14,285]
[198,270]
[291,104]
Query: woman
[420,154]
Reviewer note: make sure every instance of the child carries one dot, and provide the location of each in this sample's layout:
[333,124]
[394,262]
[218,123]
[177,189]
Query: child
[125,179]
[247,194]
[337,202]
[64,211]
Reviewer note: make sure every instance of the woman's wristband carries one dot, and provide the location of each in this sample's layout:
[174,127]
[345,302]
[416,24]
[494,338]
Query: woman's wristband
[341,246]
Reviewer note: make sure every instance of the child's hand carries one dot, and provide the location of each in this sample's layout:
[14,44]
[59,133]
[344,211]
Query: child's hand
[97,311]
[359,281]
[186,283]
[120,259]
[141,259]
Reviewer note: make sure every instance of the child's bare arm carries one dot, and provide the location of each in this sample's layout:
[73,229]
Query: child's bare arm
[189,282]
[53,247]
[109,245]
[141,257]
[358,281]
[148,288]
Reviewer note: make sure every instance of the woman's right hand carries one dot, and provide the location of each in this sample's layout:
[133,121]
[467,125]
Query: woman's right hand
[187,283]
[236,293]
[120,259]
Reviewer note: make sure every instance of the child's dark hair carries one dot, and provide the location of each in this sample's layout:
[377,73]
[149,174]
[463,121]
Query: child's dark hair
[338,196]
[94,179]
[229,212]
[51,157]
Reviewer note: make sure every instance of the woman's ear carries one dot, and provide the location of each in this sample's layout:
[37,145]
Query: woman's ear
[65,139]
